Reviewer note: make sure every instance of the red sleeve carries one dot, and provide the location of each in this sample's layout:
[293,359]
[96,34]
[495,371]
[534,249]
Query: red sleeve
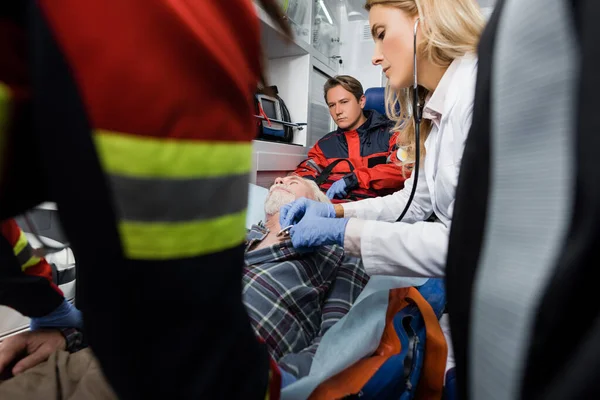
[43,269]
[11,231]
[383,176]
[274,389]
[313,165]
[30,264]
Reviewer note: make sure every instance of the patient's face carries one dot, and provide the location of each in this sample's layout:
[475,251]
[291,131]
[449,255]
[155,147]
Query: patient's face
[284,191]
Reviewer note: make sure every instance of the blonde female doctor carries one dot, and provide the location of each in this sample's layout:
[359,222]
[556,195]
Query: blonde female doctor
[441,36]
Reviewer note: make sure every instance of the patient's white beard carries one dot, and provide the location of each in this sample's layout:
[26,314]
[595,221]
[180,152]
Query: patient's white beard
[276,200]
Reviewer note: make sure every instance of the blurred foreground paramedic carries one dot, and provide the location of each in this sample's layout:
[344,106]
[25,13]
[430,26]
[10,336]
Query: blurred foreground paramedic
[448,33]
[127,115]
[523,255]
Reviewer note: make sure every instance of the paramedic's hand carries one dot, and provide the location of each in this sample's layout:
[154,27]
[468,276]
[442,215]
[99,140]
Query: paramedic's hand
[33,347]
[313,232]
[293,212]
[65,316]
[338,189]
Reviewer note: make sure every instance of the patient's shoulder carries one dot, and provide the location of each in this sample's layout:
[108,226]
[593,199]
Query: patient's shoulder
[333,254]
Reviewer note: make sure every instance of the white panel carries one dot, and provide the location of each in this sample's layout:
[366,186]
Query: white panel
[277,156]
[357,49]
[366,33]
[290,75]
[320,120]
[324,67]
[256,205]
[11,321]
[273,42]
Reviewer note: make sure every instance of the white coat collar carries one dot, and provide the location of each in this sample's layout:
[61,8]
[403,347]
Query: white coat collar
[461,84]
[435,104]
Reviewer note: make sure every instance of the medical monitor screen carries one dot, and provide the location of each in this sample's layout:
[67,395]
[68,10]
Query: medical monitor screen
[269,108]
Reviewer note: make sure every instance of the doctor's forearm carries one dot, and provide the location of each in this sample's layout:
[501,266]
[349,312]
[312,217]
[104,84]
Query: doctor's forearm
[400,249]
[351,210]
[352,237]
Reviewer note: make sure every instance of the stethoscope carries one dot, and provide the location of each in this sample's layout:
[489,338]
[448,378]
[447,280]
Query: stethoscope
[417,116]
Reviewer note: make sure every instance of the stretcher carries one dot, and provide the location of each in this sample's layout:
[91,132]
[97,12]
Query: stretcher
[358,337]
[359,334]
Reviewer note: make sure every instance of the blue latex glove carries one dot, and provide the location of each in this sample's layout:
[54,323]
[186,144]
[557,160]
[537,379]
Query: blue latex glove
[313,232]
[64,316]
[338,189]
[293,212]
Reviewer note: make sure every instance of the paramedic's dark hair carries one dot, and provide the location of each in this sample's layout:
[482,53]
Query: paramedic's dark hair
[274,11]
[347,82]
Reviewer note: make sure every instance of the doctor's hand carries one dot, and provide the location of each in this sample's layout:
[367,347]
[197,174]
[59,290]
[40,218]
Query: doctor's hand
[338,189]
[293,212]
[29,349]
[313,232]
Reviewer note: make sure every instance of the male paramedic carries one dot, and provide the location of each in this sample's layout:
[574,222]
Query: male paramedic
[355,161]
[121,113]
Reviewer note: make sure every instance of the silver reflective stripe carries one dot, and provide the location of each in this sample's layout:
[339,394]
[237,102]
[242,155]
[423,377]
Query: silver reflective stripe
[25,254]
[179,200]
[313,165]
[531,188]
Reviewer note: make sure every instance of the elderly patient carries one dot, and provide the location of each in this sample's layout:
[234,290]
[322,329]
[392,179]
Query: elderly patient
[292,299]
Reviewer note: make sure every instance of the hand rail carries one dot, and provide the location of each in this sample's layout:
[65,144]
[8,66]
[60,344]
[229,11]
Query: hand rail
[298,125]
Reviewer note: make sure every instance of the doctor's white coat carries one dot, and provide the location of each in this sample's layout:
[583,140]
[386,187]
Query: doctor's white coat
[414,247]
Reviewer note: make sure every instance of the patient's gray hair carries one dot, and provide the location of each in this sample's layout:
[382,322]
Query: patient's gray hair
[319,195]
[278,199]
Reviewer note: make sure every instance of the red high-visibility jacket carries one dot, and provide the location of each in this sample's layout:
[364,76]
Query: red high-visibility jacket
[127,114]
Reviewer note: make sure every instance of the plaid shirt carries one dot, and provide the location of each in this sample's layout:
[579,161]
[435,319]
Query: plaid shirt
[294,298]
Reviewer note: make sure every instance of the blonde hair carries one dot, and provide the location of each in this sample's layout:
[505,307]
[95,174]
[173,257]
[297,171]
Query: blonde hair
[450,29]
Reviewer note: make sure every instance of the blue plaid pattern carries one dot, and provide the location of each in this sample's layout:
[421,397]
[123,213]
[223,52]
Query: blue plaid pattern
[294,298]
